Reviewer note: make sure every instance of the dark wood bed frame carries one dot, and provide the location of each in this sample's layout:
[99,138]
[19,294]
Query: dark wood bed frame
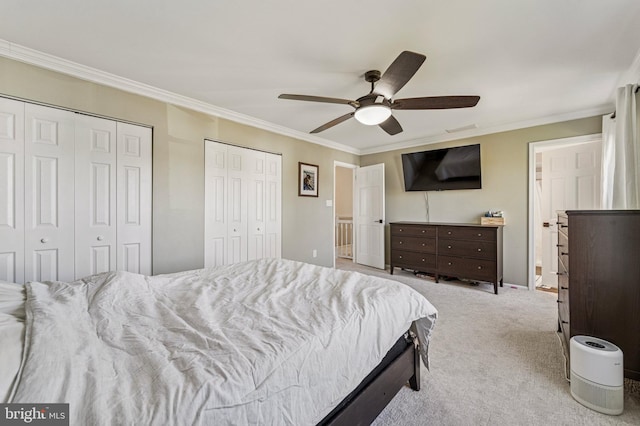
[366,402]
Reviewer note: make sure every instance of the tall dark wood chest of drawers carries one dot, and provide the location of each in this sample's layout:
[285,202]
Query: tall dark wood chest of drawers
[599,279]
[451,249]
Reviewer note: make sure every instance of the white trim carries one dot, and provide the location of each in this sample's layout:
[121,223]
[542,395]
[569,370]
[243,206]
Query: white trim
[33,57]
[333,230]
[601,110]
[535,147]
[50,62]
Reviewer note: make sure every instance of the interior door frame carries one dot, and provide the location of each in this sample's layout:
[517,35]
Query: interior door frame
[333,221]
[534,148]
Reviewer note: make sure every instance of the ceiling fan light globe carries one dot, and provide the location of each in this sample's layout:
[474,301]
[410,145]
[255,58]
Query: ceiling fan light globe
[372,115]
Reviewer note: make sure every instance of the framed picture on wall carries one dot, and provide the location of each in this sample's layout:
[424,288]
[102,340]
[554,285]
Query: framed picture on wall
[307,180]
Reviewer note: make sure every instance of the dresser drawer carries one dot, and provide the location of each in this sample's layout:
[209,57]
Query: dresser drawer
[467,233]
[426,245]
[413,230]
[477,269]
[475,249]
[413,260]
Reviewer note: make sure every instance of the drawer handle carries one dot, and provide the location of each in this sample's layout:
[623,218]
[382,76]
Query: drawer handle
[449,233]
[400,257]
[564,288]
[558,245]
[423,231]
[423,260]
[565,322]
[558,301]
[561,273]
[564,253]
[400,242]
[423,244]
[479,267]
[400,230]
[448,247]
[479,235]
[479,249]
[449,263]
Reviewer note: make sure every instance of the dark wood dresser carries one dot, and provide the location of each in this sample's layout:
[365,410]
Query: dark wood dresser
[599,279]
[449,249]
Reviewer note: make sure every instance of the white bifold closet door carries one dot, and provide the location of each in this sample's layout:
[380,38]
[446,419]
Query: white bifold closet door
[242,204]
[113,197]
[49,194]
[11,190]
[75,194]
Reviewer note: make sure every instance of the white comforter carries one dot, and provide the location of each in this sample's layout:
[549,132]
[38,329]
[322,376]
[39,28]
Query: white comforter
[265,342]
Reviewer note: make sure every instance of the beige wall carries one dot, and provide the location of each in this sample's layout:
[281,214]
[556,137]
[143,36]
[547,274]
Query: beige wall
[504,187]
[178,172]
[178,165]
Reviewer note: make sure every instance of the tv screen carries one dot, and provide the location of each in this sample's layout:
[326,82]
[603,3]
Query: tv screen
[442,169]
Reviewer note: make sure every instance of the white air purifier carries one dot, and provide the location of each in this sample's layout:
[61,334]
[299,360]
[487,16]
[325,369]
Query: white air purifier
[597,374]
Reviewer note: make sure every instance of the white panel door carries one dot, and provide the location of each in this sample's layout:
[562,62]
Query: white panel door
[133,206]
[570,180]
[11,190]
[256,222]
[95,199]
[273,206]
[369,214]
[237,205]
[49,194]
[215,205]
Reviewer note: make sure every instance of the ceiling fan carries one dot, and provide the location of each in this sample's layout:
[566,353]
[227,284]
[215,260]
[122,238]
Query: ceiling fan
[375,107]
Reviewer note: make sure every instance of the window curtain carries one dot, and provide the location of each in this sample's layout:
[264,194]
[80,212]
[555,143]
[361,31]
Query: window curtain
[621,153]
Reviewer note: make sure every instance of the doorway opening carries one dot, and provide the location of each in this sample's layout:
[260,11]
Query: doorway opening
[344,232]
[564,174]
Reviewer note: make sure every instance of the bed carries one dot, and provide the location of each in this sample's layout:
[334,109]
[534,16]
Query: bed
[262,342]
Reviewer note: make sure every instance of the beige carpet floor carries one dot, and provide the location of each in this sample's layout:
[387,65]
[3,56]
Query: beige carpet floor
[495,360]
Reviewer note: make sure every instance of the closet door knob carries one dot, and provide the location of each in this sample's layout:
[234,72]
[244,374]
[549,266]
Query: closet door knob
[44,240]
[100,238]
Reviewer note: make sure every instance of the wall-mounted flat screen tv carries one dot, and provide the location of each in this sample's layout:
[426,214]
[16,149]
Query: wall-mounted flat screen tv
[442,169]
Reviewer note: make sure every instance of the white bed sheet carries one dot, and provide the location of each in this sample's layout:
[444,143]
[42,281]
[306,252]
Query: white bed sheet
[263,342]
[12,297]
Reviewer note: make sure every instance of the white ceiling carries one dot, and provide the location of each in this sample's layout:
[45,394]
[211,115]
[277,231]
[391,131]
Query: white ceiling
[531,61]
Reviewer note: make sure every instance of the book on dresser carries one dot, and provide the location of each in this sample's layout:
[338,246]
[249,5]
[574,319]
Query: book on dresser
[599,279]
[458,250]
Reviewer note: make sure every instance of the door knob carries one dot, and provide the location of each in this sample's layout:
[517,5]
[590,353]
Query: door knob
[100,238]
[44,240]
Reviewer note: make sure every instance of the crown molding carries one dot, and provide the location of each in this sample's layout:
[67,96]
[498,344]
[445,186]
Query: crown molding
[498,128]
[54,63]
[44,60]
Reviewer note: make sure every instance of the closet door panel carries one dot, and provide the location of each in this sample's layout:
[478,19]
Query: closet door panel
[255,177]
[95,199]
[215,187]
[11,191]
[133,182]
[237,205]
[273,206]
[49,194]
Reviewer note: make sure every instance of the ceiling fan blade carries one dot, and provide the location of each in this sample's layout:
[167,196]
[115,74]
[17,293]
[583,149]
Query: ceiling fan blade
[317,99]
[436,102]
[333,123]
[398,73]
[391,126]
